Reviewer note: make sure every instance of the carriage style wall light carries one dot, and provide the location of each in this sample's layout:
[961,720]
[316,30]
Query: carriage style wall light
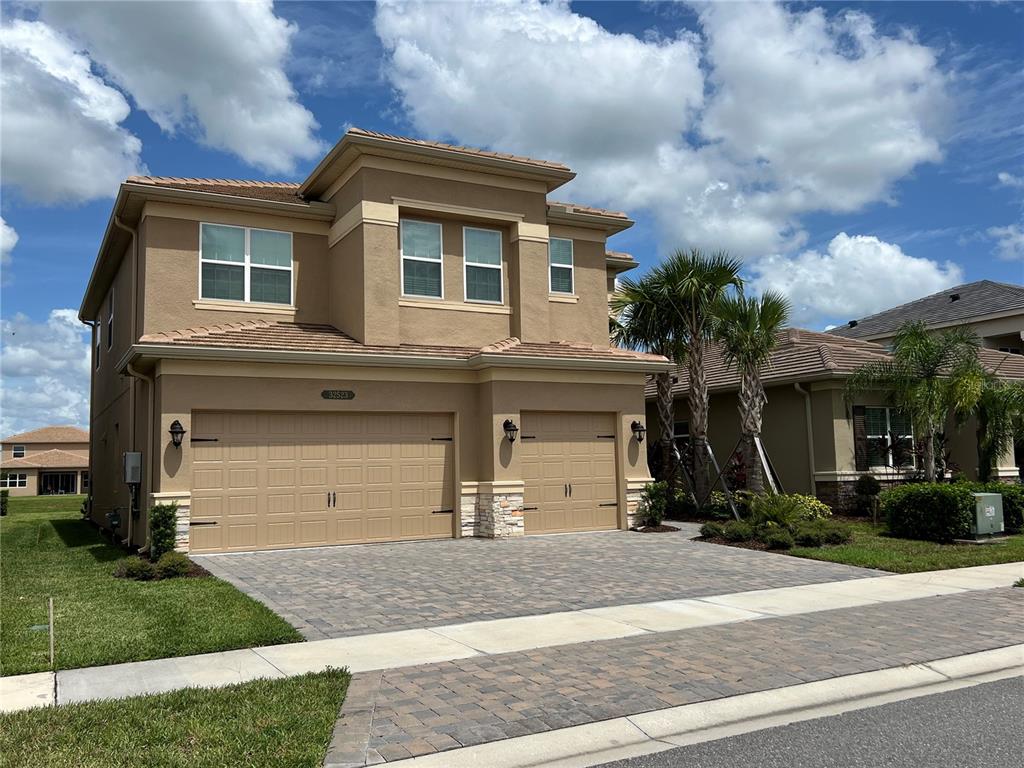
[639,430]
[177,432]
[511,430]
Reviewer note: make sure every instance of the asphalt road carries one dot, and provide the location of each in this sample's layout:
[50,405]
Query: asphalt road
[981,726]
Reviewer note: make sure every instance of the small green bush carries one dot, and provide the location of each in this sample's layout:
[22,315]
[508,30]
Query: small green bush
[173,564]
[809,535]
[1013,502]
[779,538]
[778,510]
[937,512]
[135,568]
[717,506]
[815,533]
[654,503]
[163,520]
[711,531]
[837,533]
[811,507]
[867,485]
[4,497]
[737,530]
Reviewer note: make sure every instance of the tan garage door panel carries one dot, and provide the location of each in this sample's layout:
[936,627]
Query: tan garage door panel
[276,480]
[560,450]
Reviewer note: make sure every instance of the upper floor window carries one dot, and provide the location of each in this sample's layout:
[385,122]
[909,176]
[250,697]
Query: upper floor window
[245,264]
[110,320]
[560,265]
[18,451]
[422,273]
[890,436]
[482,250]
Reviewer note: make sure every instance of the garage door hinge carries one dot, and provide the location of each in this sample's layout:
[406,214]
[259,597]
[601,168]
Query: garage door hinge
[202,439]
[606,437]
[609,504]
[442,439]
[527,437]
[530,509]
[442,511]
[202,522]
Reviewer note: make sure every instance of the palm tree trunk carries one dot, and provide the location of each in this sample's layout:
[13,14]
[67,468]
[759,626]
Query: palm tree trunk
[666,419]
[751,403]
[929,454]
[698,401]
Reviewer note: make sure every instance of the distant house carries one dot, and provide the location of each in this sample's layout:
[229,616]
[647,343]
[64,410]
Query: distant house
[994,311]
[45,461]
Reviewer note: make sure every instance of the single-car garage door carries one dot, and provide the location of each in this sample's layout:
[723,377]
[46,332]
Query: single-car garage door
[275,480]
[568,462]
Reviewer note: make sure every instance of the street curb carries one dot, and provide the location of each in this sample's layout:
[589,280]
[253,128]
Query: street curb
[659,730]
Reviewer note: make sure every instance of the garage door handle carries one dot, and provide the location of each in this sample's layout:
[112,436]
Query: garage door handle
[609,504]
[334,498]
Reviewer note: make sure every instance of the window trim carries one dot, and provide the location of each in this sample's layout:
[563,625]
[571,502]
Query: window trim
[888,437]
[248,266]
[97,346]
[14,480]
[571,267]
[402,257]
[110,319]
[500,266]
[15,454]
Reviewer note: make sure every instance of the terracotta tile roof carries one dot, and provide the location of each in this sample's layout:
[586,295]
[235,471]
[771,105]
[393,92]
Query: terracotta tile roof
[52,459]
[306,337]
[277,191]
[586,209]
[460,149]
[619,255]
[975,299]
[808,355]
[54,434]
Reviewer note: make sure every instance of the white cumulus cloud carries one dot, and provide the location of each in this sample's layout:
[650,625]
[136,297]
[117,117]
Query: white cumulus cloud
[45,369]
[854,277]
[62,135]
[1007,179]
[1009,241]
[787,112]
[215,70]
[8,239]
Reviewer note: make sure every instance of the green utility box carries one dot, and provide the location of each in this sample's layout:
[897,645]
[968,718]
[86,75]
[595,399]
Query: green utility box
[988,514]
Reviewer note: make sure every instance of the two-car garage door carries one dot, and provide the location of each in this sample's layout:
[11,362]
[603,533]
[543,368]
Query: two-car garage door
[275,480]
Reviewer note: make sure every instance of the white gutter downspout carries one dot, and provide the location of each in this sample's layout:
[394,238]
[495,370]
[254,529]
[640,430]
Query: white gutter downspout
[810,434]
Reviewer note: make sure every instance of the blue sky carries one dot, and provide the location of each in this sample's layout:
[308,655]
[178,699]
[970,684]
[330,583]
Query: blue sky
[854,155]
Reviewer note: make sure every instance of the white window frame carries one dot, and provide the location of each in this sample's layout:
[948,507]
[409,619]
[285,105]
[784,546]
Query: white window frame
[97,335]
[570,266]
[84,481]
[110,320]
[888,439]
[14,480]
[500,266]
[248,266]
[15,451]
[402,257]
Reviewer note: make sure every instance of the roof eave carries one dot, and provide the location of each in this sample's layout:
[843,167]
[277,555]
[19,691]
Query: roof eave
[612,225]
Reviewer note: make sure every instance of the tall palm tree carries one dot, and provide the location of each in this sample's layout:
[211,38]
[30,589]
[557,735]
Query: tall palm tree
[697,282]
[1000,413]
[747,331]
[643,316]
[928,377]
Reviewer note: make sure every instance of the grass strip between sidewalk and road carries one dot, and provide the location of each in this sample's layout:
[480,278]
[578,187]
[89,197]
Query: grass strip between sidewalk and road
[50,551]
[871,549]
[261,723]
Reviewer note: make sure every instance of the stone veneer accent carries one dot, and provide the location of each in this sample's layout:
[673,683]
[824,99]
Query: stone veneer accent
[634,489]
[492,510]
[184,513]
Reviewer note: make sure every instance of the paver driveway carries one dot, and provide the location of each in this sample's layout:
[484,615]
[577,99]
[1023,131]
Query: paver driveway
[354,590]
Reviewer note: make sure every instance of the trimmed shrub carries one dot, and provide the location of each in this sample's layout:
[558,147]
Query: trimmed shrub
[837,533]
[1013,502]
[779,538]
[867,485]
[135,568]
[173,564]
[163,520]
[711,531]
[778,510]
[809,535]
[937,512]
[4,497]
[811,507]
[736,530]
[717,506]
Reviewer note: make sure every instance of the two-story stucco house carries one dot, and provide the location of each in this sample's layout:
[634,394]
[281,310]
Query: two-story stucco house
[412,343]
[45,461]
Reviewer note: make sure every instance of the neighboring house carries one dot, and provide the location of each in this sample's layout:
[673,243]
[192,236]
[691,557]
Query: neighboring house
[818,442]
[994,311]
[346,355]
[46,461]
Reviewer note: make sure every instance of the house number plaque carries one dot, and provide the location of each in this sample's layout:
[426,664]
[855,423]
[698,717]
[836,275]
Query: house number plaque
[338,394]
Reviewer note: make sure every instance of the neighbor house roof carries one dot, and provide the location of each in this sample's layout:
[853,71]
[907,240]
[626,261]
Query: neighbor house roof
[958,304]
[808,355]
[55,458]
[262,335]
[54,434]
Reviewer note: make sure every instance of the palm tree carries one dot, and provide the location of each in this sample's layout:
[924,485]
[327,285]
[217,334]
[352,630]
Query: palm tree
[644,317]
[747,331]
[697,282]
[1000,413]
[928,377]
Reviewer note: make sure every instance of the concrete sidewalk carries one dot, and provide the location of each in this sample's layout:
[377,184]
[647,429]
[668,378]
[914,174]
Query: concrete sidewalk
[392,650]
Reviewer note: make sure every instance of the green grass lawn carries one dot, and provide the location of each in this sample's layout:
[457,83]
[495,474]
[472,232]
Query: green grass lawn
[47,550]
[263,723]
[869,549]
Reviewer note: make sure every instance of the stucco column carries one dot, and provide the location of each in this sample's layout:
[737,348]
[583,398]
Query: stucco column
[381,282]
[632,464]
[528,282]
[499,492]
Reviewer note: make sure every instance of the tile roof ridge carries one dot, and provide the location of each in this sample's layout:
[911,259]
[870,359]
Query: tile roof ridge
[593,209]
[826,357]
[204,330]
[501,346]
[221,182]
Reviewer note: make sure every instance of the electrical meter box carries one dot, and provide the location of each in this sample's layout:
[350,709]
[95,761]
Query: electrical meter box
[988,514]
[132,467]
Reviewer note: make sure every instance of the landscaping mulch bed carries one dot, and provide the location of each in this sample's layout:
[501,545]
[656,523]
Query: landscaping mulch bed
[655,529]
